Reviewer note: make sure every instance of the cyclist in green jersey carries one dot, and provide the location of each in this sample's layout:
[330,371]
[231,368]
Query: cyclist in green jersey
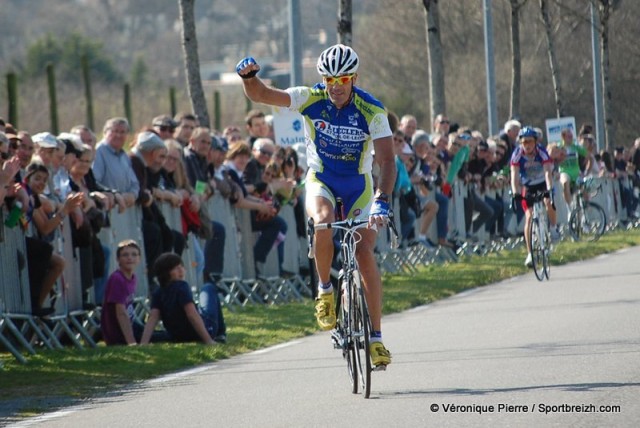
[570,167]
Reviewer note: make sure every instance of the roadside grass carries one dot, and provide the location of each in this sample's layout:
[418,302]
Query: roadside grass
[59,377]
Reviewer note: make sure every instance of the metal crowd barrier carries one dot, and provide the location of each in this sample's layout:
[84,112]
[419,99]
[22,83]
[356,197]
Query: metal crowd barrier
[20,332]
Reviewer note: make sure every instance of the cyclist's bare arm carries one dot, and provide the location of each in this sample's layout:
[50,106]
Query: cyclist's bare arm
[257,91]
[515,179]
[385,158]
[548,175]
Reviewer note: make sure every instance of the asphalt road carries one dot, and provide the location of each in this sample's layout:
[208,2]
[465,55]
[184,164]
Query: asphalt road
[518,353]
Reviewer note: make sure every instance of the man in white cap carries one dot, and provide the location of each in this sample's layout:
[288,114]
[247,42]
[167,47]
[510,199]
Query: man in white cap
[147,158]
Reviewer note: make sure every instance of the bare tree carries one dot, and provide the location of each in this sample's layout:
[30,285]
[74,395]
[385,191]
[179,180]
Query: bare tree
[605,8]
[436,62]
[192,62]
[553,62]
[344,22]
[516,58]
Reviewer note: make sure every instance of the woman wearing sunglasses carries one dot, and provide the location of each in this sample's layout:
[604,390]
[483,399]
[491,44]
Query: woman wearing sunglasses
[343,125]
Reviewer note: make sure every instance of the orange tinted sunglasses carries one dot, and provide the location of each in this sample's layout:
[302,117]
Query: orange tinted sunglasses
[338,80]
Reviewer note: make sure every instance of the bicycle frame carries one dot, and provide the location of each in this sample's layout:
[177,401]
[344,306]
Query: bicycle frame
[588,219]
[353,327]
[539,237]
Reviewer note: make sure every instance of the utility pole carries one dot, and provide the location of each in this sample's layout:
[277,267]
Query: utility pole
[492,111]
[295,44]
[344,22]
[598,102]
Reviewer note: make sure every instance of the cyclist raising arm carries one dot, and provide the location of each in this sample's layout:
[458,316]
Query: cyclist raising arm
[531,172]
[570,167]
[343,124]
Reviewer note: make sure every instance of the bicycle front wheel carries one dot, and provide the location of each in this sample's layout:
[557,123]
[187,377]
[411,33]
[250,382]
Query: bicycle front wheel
[537,248]
[343,337]
[361,331]
[588,224]
[546,248]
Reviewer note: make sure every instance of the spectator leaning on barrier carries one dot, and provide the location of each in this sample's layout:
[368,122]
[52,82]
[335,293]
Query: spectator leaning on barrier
[86,135]
[426,178]
[480,172]
[441,125]
[403,189]
[147,157]
[232,134]
[256,126]
[13,171]
[185,124]
[99,201]
[592,167]
[9,167]
[408,125]
[509,134]
[215,242]
[72,145]
[112,166]
[624,182]
[196,161]
[46,148]
[164,126]
[24,149]
[197,158]
[44,265]
[262,152]
[263,218]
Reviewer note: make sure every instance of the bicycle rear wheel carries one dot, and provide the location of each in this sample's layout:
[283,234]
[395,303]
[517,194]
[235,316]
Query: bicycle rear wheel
[343,335]
[537,249]
[588,223]
[546,248]
[594,222]
[361,331]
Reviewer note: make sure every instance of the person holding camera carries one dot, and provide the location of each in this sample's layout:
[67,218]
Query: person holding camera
[264,217]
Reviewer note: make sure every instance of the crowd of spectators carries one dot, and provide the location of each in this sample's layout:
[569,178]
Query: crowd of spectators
[176,161]
[431,159]
[171,161]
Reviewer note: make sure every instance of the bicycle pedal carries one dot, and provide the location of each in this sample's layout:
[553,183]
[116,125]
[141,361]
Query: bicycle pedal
[380,368]
[337,339]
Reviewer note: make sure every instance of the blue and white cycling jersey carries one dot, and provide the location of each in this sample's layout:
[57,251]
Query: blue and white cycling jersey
[340,144]
[531,167]
[339,141]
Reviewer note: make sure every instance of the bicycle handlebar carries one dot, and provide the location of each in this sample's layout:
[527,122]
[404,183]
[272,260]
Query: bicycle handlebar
[348,224]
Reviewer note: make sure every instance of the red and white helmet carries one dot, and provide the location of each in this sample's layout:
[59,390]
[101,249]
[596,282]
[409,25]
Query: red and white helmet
[338,60]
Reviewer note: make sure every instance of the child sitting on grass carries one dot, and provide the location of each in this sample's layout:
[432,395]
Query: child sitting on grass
[173,304]
[118,323]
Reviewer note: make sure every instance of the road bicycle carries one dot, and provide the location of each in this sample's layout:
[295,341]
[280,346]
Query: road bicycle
[588,219]
[353,324]
[540,237]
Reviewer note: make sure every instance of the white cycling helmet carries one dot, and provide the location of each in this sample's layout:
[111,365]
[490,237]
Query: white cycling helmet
[338,60]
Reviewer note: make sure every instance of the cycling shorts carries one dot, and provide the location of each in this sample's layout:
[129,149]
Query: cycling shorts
[527,200]
[356,191]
